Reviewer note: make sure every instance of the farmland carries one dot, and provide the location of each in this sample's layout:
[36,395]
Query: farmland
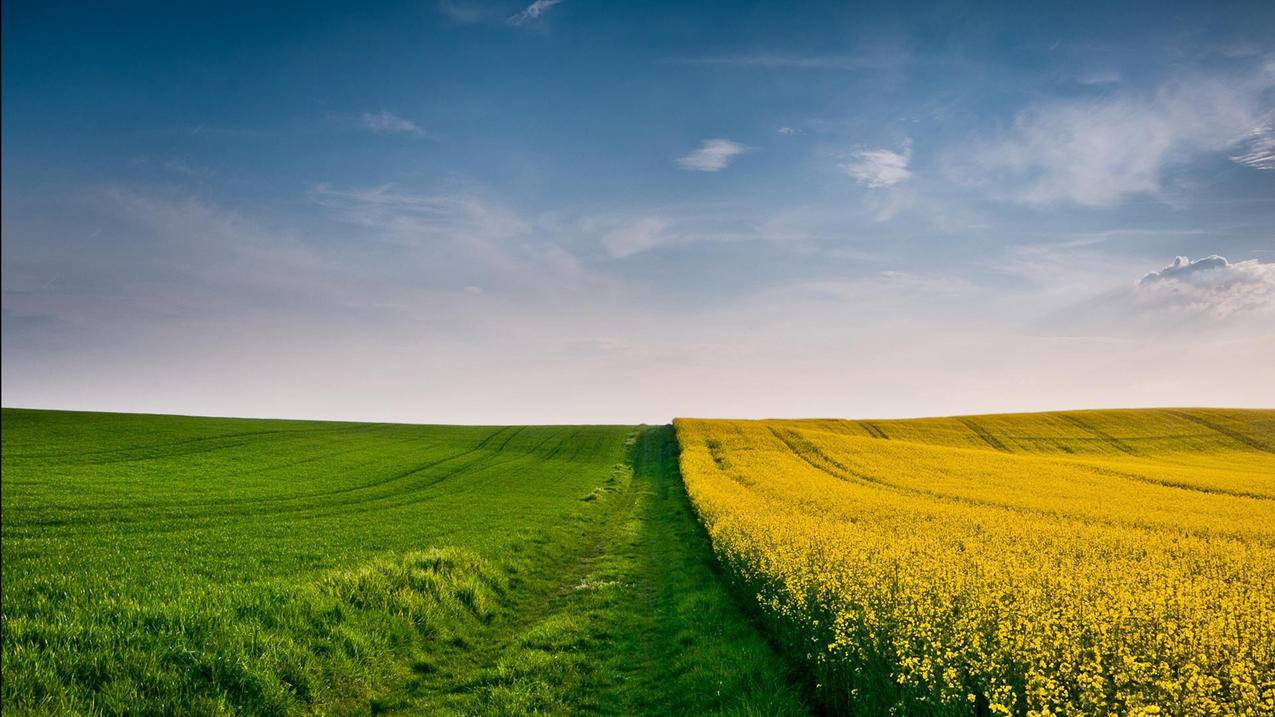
[1088,562]
[1093,562]
[161,564]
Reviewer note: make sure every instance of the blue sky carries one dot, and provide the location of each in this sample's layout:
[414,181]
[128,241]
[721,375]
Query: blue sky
[584,211]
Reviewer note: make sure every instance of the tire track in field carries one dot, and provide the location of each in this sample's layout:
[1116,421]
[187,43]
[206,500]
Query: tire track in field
[185,442]
[535,450]
[984,434]
[1224,430]
[347,489]
[801,447]
[288,465]
[412,495]
[250,506]
[1148,480]
[565,438]
[874,430]
[1094,430]
[831,467]
[426,492]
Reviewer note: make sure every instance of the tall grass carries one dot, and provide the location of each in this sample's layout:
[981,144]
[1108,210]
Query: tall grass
[275,649]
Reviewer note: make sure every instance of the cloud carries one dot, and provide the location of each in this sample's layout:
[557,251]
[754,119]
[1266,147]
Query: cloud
[460,236]
[889,288]
[877,168]
[788,131]
[826,62]
[635,237]
[1100,77]
[626,234]
[1184,268]
[881,55]
[715,155]
[533,11]
[411,218]
[1210,285]
[465,13]
[1100,151]
[386,122]
[1257,150]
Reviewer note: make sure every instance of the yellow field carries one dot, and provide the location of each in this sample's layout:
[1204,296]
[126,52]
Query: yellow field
[1090,562]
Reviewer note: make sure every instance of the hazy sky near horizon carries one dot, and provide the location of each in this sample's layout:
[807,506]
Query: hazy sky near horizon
[581,211]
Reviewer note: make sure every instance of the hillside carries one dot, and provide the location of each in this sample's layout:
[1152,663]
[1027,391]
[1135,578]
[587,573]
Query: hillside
[221,566]
[1087,562]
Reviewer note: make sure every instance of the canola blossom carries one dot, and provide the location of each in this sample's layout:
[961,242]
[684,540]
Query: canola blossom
[1086,563]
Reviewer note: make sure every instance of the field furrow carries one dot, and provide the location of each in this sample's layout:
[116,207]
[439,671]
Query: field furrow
[1083,563]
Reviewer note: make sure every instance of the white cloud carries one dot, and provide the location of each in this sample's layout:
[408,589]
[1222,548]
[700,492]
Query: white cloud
[877,168]
[641,235]
[1210,285]
[882,55]
[625,234]
[411,217]
[1097,152]
[533,11]
[466,13]
[814,62]
[1258,149]
[789,131]
[715,155]
[884,206]
[456,236]
[386,122]
[1100,77]
[1183,268]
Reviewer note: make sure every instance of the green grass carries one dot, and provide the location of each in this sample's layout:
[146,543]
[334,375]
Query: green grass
[160,565]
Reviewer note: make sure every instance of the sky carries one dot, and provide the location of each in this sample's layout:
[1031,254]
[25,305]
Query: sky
[471,211]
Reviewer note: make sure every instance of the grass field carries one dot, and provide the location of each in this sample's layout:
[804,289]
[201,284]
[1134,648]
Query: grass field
[160,565]
[1090,562]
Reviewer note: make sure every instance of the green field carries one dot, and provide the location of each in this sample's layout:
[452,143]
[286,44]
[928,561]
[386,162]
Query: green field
[161,564]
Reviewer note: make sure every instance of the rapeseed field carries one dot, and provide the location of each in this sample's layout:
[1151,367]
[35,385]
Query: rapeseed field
[1091,562]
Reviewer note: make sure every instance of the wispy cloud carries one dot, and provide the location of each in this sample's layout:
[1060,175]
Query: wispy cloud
[665,227]
[413,217]
[1100,77]
[459,235]
[386,122]
[877,168]
[637,236]
[829,62]
[885,56]
[714,156]
[461,11]
[1258,149]
[533,11]
[1098,152]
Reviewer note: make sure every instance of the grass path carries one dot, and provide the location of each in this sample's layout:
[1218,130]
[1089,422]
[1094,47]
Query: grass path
[631,619]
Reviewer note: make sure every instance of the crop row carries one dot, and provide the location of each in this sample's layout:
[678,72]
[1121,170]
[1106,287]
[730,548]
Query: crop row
[1081,563]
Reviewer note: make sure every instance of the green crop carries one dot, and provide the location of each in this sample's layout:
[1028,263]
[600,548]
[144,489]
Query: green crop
[161,564]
